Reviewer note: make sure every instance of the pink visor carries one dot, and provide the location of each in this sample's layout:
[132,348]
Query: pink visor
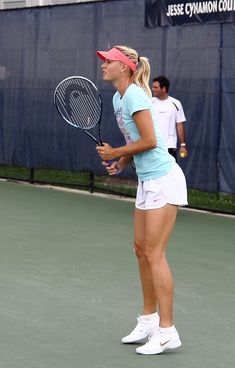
[116,55]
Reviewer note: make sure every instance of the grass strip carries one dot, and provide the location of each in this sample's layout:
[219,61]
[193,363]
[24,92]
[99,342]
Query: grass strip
[217,202]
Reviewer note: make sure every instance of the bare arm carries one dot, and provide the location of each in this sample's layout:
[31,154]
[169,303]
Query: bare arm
[180,132]
[181,137]
[147,141]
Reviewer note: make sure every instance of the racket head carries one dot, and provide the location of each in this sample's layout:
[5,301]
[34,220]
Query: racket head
[79,102]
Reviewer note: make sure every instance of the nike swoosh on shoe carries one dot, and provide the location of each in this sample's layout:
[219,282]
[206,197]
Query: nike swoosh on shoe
[164,343]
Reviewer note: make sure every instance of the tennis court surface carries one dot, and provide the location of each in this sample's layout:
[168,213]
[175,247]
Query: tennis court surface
[70,290]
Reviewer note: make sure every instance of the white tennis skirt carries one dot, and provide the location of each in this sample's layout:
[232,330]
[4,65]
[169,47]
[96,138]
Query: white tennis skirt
[170,188]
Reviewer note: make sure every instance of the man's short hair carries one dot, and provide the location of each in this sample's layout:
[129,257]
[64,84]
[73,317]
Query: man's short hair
[163,82]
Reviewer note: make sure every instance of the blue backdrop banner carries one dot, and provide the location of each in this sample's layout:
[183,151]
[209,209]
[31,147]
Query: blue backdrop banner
[39,47]
[160,13]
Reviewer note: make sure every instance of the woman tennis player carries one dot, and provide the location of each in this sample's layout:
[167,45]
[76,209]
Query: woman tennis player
[161,189]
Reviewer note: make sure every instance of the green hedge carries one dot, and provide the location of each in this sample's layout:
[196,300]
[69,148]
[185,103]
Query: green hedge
[217,202]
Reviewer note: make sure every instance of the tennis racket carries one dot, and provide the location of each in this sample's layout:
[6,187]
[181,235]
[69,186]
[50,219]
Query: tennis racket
[79,103]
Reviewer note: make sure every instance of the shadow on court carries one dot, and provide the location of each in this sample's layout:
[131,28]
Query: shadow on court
[70,290]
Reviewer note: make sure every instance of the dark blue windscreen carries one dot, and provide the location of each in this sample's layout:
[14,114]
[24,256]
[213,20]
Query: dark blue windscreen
[41,46]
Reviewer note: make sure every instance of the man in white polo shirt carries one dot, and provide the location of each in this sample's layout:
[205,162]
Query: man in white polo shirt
[170,116]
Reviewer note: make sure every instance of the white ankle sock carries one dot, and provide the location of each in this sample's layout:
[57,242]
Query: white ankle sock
[149,317]
[167,329]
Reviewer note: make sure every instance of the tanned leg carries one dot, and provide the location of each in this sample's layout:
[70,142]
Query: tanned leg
[149,296]
[158,227]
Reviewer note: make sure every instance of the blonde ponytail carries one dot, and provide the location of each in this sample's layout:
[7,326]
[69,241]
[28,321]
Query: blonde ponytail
[142,74]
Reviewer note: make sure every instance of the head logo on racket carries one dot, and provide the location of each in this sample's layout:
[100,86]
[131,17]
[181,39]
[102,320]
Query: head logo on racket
[79,103]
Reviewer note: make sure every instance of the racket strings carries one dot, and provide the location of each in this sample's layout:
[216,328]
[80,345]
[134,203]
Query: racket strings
[79,102]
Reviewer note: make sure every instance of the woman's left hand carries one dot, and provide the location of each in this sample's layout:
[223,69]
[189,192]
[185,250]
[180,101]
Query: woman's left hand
[106,152]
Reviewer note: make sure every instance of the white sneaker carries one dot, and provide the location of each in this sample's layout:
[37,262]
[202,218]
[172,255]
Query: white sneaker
[146,325]
[162,339]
